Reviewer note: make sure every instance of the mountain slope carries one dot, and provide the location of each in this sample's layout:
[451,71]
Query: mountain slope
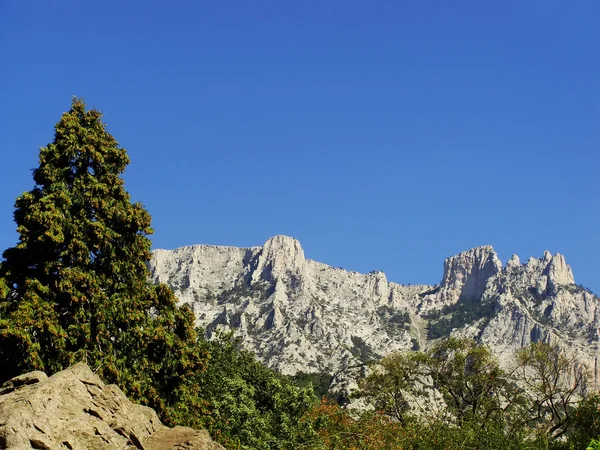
[300,315]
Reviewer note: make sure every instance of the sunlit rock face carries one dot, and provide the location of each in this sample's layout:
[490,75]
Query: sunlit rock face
[74,409]
[465,277]
[294,313]
[301,315]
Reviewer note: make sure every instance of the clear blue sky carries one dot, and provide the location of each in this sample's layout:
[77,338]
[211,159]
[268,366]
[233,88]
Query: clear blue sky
[383,135]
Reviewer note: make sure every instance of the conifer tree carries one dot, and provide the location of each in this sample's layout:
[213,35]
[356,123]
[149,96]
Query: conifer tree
[76,283]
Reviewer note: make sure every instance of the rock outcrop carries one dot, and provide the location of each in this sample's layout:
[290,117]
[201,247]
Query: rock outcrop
[301,315]
[465,277]
[294,313]
[74,409]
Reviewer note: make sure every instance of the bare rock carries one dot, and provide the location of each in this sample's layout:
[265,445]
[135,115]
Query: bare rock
[280,257]
[74,409]
[22,380]
[466,274]
[513,262]
[180,438]
[465,277]
[295,314]
[300,315]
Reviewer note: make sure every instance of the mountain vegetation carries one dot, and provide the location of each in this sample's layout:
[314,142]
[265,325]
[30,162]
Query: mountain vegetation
[465,311]
[75,288]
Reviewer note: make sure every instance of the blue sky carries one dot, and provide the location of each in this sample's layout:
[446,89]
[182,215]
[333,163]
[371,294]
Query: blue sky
[383,135]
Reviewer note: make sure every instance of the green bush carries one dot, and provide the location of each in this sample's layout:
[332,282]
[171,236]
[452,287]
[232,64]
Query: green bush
[319,382]
[594,445]
[250,406]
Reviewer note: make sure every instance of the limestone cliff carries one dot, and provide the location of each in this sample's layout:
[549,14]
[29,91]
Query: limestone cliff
[301,315]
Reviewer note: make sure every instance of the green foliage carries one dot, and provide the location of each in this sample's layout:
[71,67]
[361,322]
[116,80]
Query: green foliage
[243,289]
[554,382]
[251,406]
[585,423]
[75,285]
[540,403]
[3,288]
[438,435]
[470,380]
[318,381]
[391,386]
[395,320]
[336,429]
[594,445]
[463,312]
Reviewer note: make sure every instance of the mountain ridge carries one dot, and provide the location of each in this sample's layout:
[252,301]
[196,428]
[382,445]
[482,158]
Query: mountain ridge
[300,315]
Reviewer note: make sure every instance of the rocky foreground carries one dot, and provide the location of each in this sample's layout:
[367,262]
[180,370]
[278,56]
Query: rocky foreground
[75,410]
[300,315]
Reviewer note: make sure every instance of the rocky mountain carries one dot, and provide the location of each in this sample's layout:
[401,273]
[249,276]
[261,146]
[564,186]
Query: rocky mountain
[74,409]
[300,315]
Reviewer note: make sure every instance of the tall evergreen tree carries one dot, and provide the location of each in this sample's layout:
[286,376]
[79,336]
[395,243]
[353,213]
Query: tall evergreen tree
[76,283]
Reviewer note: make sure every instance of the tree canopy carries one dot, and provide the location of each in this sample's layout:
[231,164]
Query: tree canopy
[75,286]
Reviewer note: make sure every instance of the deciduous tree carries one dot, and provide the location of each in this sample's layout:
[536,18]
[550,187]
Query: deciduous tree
[554,383]
[393,384]
[469,378]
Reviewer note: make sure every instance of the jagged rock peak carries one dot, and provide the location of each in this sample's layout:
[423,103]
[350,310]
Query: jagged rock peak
[514,261]
[466,274]
[303,315]
[281,243]
[559,271]
[279,256]
[555,268]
